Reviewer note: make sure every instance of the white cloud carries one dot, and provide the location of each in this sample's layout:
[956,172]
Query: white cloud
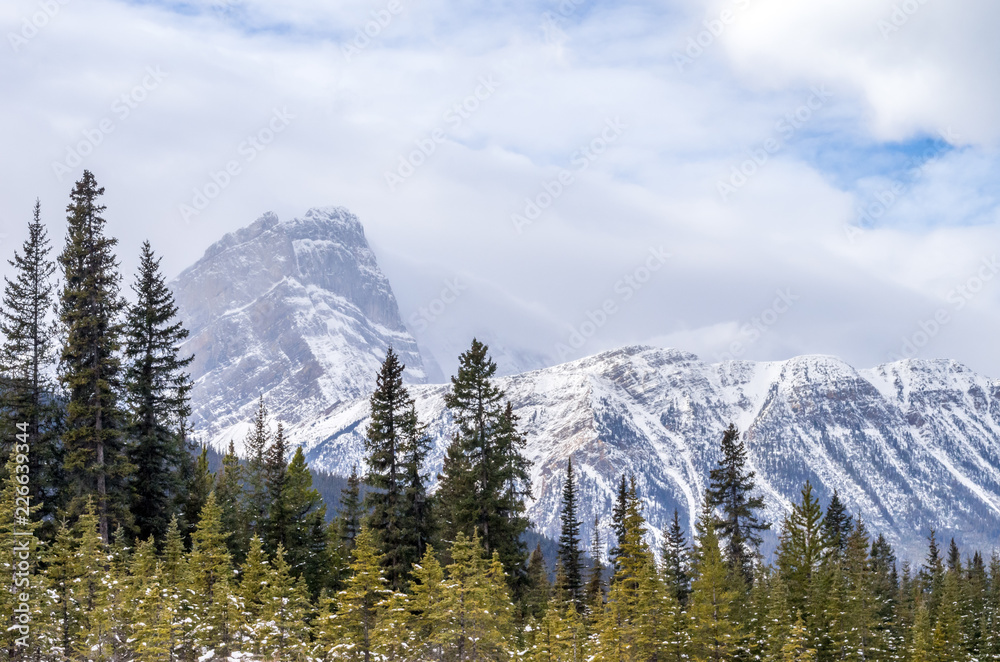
[656,184]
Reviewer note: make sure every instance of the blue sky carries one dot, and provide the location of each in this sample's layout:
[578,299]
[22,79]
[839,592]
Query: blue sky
[876,200]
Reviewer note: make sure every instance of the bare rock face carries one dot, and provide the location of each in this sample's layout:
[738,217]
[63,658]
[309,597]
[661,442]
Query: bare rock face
[297,311]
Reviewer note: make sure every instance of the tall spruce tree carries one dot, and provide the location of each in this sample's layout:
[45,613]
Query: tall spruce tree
[570,554]
[731,491]
[417,519]
[677,561]
[385,438]
[595,578]
[279,515]
[157,391]
[485,477]
[90,306]
[27,357]
[304,534]
[836,526]
[350,513]
[801,550]
[257,441]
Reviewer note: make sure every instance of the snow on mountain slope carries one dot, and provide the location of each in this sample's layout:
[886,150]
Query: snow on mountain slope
[910,446]
[297,311]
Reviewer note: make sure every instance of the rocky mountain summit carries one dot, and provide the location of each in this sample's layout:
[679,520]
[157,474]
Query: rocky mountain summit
[297,311]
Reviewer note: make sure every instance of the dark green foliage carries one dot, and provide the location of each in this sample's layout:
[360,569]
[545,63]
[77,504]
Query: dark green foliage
[570,554]
[90,305]
[156,397]
[27,357]
[255,446]
[618,520]
[730,491]
[595,577]
[349,518]
[303,533]
[485,478]
[677,561]
[200,484]
[231,504]
[836,525]
[396,445]
[536,595]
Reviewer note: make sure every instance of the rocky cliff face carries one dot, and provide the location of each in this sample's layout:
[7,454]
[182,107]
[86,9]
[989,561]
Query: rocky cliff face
[297,311]
[909,446]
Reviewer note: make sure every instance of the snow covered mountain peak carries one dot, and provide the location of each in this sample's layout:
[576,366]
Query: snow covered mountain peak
[297,311]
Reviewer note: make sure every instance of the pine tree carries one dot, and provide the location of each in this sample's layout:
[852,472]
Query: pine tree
[595,579]
[232,505]
[146,613]
[485,479]
[922,637]
[90,304]
[931,577]
[28,401]
[618,520]
[384,440]
[538,591]
[428,608]
[157,391]
[836,526]
[304,537]
[361,601]
[570,555]
[176,598]
[731,491]
[214,615]
[60,631]
[255,584]
[199,485]
[860,612]
[713,635]
[350,515]
[279,517]
[676,561]
[286,606]
[478,613]
[417,521]
[255,445]
[89,595]
[801,550]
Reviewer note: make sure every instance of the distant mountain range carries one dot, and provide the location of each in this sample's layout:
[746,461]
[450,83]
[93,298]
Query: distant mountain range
[298,311]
